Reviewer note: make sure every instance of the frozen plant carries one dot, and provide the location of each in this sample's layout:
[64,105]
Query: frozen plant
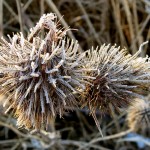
[119,78]
[40,75]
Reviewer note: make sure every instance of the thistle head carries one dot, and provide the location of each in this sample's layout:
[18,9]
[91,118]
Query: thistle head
[40,74]
[138,116]
[119,77]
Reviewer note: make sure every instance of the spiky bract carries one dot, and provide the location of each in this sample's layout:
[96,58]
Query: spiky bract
[138,115]
[119,77]
[40,74]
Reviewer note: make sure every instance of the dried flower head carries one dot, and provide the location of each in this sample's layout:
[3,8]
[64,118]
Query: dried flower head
[40,74]
[138,116]
[119,77]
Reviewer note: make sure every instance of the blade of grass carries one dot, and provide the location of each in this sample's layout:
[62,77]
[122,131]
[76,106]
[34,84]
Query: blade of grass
[1,18]
[20,15]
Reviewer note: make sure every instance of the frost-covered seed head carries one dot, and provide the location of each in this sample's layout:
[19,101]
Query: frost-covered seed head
[40,74]
[119,78]
[138,115]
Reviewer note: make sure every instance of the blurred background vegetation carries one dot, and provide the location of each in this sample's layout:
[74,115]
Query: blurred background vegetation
[94,22]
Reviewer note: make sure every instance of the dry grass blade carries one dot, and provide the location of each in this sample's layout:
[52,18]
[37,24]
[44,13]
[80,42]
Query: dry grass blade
[89,23]
[20,15]
[1,18]
[117,18]
[129,19]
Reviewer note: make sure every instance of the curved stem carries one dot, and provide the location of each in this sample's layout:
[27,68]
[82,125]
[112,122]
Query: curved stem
[107,138]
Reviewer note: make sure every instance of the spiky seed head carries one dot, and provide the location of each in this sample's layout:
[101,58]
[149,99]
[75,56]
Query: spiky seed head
[119,77]
[138,115]
[40,74]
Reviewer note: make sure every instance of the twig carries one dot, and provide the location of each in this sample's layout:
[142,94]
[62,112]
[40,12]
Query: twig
[11,141]
[17,131]
[27,5]
[79,144]
[10,9]
[13,129]
[108,138]
[111,136]
[16,145]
